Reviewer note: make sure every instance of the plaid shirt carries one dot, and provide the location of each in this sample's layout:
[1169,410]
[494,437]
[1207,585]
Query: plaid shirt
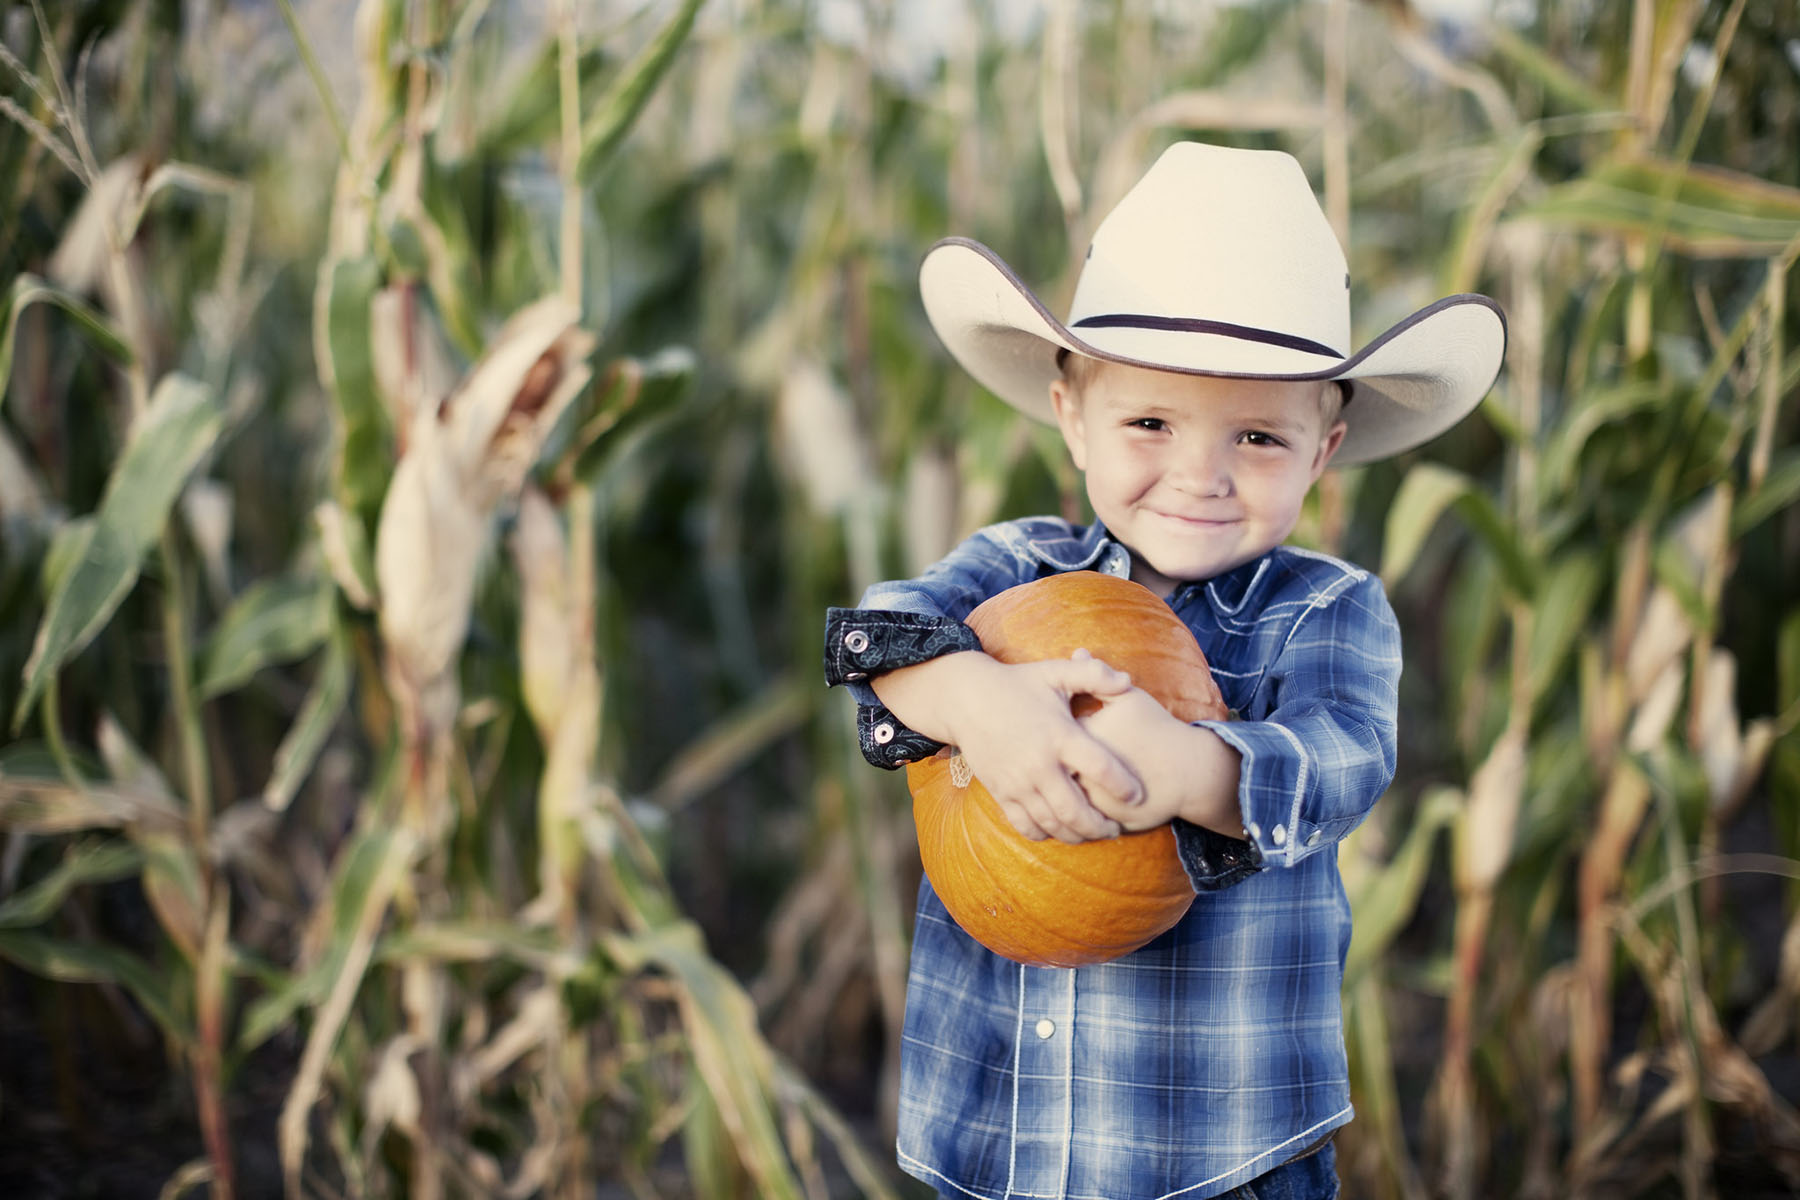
[1216,1052]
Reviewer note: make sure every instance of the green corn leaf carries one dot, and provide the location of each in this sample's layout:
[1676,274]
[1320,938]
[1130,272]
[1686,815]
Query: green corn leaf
[1712,212]
[178,428]
[618,107]
[1567,87]
[1424,494]
[728,1048]
[274,621]
[27,290]
[1562,455]
[356,872]
[632,392]
[1384,900]
[527,117]
[87,962]
[1563,608]
[87,862]
[1780,488]
[275,1009]
[68,546]
[300,747]
[365,459]
[1475,228]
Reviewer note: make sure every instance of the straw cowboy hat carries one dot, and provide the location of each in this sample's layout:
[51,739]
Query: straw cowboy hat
[1219,262]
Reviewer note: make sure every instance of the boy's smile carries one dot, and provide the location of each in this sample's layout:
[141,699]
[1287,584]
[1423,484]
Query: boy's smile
[1195,474]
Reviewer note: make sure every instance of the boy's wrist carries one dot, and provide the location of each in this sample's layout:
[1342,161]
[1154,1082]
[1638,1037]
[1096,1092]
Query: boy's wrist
[1211,773]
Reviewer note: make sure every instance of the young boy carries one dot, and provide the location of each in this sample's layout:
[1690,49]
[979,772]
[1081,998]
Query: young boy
[1202,383]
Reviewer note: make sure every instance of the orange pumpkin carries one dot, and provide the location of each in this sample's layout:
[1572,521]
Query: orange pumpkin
[1051,903]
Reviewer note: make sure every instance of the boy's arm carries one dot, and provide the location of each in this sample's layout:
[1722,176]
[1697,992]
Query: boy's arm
[1310,769]
[1013,725]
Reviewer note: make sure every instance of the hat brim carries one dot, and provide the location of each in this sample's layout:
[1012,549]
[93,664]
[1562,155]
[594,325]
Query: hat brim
[1413,382]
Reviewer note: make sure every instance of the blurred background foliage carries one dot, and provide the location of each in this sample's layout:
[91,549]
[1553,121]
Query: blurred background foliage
[432,431]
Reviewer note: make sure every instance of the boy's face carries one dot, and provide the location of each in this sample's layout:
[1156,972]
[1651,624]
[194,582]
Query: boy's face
[1194,474]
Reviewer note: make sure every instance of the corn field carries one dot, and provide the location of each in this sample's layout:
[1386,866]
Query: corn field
[432,431]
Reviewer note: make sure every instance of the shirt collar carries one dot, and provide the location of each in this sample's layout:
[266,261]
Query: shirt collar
[1226,592]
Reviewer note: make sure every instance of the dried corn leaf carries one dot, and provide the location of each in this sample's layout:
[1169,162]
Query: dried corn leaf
[108,212]
[43,806]
[1484,837]
[427,548]
[540,555]
[345,545]
[819,440]
[500,415]
[27,290]
[728,1049]
[1714,212]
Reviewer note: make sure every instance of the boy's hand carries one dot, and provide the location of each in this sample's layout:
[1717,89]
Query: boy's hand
[1186,771]
[1013,726]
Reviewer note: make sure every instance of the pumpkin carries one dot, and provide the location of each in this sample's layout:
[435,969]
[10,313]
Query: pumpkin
[1052,903]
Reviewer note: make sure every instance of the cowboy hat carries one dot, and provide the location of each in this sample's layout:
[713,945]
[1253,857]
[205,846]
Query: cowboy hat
[1219,262]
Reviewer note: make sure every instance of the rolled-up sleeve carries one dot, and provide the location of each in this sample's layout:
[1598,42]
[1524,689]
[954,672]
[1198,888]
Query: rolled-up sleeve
[1323,753]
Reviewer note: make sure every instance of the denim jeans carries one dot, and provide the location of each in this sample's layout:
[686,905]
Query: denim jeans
[1311,1178]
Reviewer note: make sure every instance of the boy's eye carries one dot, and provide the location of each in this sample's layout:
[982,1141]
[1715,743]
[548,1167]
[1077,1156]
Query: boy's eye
[1150,423]
[1257,437]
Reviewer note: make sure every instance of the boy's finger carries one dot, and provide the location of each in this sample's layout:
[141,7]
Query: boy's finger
[1083,674]
[1101,773]
[1020,818]
[1076,819]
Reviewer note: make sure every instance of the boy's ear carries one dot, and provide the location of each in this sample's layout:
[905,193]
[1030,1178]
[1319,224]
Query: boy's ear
[1067,403]
[1328,446]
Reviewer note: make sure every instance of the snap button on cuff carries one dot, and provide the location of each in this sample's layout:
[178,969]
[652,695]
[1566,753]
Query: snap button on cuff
[884,733]
[1046,1028]
[853,675]
[856,641]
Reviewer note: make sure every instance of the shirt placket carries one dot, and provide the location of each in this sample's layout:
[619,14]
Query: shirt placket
[1043,1082]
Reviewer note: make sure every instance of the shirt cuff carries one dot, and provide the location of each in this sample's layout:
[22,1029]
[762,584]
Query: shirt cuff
[860,642]
[1274,775]
[1212,860]
[887,742]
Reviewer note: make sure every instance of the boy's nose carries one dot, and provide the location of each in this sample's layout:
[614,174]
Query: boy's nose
[1202,473]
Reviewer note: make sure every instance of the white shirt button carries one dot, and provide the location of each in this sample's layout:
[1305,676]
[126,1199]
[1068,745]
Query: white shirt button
[1312,839]
[1279,835]
[1045,1027]
[884,733]
[1255,830]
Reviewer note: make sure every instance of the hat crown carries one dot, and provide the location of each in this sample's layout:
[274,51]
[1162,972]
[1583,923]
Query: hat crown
[1220,235]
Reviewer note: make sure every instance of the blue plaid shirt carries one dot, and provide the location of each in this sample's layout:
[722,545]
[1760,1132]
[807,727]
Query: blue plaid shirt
[1216,1052]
